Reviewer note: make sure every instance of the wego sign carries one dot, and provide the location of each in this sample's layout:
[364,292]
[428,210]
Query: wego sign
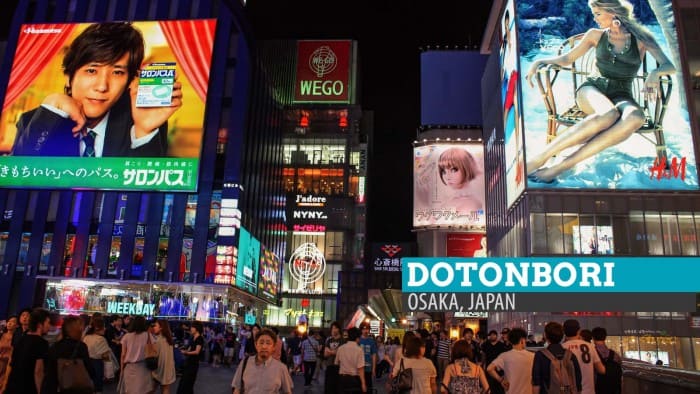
[323,71]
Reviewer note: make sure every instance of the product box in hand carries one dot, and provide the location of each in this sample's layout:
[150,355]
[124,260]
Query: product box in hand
[156,85]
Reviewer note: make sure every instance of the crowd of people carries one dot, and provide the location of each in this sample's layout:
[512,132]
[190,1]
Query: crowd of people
[33,348]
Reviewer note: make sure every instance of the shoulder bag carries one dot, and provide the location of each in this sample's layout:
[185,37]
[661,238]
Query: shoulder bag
[72,375]
[403,381]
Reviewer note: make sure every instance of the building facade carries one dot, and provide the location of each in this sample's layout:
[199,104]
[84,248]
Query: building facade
[597,208]
[159,252]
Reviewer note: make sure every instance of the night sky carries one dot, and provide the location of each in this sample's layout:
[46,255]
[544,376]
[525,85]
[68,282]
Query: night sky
[389,34]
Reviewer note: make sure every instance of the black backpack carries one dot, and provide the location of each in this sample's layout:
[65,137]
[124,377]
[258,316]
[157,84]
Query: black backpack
[611,382]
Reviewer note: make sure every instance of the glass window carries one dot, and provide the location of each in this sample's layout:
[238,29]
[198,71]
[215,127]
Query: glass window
[672,241]
[638,235]
[555,240]
[23,249]
[621,235]
[630,345]
[162,259]
[137,265]
[686,227]
[67,266]
[569,221]
[539,236]
[186,259]
[167,215]
[335,249]
[45,252]
[696,352]
[654,238]
[114,251]
[91,254]
[53,206]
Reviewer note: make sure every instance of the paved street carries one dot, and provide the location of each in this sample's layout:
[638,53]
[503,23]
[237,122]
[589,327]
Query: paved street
[218,380]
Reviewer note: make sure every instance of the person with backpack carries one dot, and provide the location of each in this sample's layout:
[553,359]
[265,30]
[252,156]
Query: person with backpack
[611,381]
[555,369]
[585,354]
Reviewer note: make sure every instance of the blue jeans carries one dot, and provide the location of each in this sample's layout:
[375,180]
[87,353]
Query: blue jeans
[98,379]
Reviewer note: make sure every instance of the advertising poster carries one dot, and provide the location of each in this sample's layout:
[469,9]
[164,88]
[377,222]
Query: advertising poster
[248,260]
[465,245]
[448,185]
[127,98]
[593,240]
[515,160]
[601,143]
[268,284]
[323,71]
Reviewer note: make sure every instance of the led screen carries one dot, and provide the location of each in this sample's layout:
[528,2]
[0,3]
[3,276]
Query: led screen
[593,240]
[601,143]
[248,260]
[268,283]
[448,185]
[127,98]
[513,138]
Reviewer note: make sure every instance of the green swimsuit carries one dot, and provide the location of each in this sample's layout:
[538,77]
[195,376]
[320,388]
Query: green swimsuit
[617,70]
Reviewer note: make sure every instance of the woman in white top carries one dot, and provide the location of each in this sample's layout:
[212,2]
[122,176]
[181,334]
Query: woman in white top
[424,373]
[135,377]
[98,349]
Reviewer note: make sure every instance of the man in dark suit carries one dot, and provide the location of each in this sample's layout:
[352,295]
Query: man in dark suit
[96,116]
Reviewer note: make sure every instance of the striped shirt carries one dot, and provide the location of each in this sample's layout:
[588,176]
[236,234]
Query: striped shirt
[443,348]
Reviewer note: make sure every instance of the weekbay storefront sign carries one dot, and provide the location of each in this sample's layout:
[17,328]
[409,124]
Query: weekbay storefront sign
[130,308]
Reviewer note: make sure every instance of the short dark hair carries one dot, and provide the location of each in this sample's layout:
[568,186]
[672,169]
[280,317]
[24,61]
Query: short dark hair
[553,332]
[138,325]
[364,325]
[105,42]
[571,327]
[586,335]
[599,334]
[467,330]
[353,334]
[412,346]
[197,325]
[461,349]
[494,332]
[268,332]
[516,334]
[37,317]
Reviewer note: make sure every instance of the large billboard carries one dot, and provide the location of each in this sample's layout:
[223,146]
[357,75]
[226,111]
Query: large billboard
[324,72]
[248,260]
[270,269]
[448,80]
[513,137]
[627,72]
[128,98]
[448,185]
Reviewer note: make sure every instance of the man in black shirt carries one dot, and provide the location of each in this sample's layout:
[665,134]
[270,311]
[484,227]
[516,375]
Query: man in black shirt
[490,350]
[553,333]
[27,374]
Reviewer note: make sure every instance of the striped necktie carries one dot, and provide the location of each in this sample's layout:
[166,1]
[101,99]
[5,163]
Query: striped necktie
[89,141]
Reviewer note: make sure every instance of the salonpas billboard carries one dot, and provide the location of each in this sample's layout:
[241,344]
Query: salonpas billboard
[109,105]
[602,94]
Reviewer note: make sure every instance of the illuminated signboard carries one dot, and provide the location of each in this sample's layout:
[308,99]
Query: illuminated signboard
[448,185]
[513,137]
[323,72]
[465,245]
[268,283]
[603,142]
[147,140]
[307,208]
[248,260]
[306,265]
[386,256]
